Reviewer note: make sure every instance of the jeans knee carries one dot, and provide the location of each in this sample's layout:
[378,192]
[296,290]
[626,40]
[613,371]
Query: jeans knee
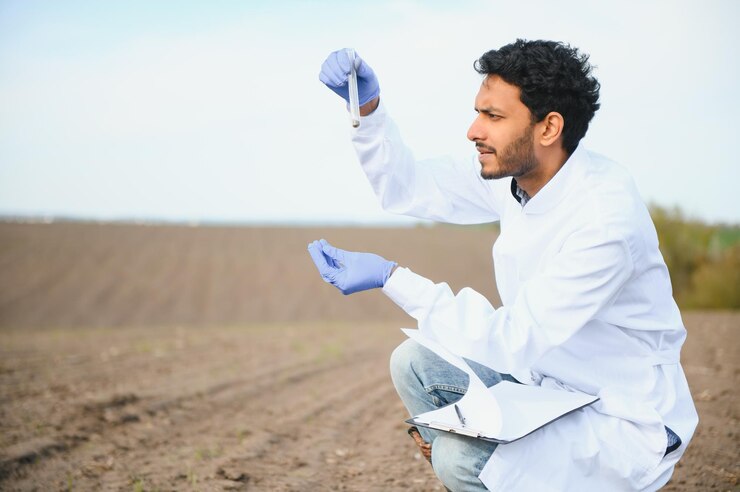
[401,363]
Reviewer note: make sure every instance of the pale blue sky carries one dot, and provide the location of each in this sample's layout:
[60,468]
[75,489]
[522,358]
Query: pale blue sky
[198,111]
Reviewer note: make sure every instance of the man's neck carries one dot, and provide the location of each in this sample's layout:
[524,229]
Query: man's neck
[549,165]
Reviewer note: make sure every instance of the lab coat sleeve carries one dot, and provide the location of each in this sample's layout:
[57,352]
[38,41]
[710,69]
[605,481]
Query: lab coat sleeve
[581,280]
[440,189]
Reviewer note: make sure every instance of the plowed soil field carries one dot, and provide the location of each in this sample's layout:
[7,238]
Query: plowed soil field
[213,358]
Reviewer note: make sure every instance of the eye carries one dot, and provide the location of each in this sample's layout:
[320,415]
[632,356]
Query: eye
[493,116]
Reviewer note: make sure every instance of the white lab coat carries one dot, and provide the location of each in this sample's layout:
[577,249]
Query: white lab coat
[587,305]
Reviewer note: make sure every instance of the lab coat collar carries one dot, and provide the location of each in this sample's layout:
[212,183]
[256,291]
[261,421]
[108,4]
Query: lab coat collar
[560,184]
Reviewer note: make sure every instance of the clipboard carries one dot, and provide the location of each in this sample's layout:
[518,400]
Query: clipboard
[503,413]
[518,411]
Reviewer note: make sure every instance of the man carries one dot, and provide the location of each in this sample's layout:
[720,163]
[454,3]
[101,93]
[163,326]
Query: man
[586,295]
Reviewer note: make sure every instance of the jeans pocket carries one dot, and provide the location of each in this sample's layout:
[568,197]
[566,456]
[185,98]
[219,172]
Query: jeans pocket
[444,394]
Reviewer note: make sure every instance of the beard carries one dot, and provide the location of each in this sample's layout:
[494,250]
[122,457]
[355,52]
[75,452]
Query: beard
[517,158]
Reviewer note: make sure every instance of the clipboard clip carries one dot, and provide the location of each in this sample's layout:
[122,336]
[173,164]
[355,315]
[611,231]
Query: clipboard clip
[463,431]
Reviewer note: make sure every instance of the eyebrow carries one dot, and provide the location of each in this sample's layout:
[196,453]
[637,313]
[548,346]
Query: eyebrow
[489,110]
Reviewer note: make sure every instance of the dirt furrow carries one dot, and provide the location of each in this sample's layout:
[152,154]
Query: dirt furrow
[259,429]
[128,423]
[97,417]
[293,455]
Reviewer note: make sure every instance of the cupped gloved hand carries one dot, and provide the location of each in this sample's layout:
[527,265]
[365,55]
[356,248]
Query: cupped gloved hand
[335,74]
[348,271]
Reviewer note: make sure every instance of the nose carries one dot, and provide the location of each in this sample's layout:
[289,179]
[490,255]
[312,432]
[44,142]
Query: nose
[475,132]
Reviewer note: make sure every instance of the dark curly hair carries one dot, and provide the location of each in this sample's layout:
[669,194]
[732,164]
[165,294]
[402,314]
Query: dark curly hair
[552,76]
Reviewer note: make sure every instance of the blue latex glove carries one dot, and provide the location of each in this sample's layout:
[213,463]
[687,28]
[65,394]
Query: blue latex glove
[348,271]
[335,74]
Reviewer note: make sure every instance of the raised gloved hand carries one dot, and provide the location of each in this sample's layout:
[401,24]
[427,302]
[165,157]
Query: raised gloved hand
[335,74]
[348,271]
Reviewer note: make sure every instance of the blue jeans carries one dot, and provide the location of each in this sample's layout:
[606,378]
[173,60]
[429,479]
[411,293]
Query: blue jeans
[425,381]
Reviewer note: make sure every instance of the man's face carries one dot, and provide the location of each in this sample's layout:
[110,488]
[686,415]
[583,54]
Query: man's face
[502,131]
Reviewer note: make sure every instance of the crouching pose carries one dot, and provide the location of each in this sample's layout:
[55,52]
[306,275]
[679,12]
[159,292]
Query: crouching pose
[587,303]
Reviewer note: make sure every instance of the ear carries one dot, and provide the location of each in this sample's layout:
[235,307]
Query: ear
[550,129]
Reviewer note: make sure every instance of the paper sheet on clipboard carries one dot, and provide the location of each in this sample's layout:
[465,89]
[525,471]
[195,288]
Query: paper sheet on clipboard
[502,413]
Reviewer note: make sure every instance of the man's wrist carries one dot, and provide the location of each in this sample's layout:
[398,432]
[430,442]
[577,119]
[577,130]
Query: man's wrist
[368,108]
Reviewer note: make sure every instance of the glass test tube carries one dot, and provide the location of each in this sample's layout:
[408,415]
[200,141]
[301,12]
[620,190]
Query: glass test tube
[354,98]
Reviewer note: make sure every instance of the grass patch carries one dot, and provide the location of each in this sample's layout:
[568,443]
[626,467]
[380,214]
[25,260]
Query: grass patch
[703,259]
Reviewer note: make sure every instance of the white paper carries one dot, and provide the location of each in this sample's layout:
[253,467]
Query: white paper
[504,412]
